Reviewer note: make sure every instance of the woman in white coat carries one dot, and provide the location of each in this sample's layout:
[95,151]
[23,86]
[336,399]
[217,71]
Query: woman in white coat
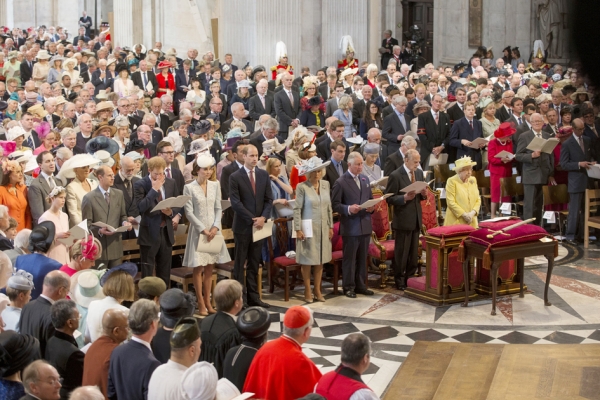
[313,209]
[78,168]
[123,85]
[203,211]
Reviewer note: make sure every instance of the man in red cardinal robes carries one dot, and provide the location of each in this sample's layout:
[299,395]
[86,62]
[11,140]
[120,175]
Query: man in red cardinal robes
[280,371]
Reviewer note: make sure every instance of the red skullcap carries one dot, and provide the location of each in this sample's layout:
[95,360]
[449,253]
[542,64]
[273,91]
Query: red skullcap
[296,317]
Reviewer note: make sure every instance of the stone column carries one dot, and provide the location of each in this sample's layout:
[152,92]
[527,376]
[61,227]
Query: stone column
[375,30]
[348,17]
[7,13]
[137,25]
[67,16]
[122,32]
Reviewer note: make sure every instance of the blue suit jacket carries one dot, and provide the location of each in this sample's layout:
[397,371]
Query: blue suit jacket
[570,156]
[346,193]
[146,199]
[37,265]
[245,203]
[180,81]
[102,84]
[131,366]
[462,130]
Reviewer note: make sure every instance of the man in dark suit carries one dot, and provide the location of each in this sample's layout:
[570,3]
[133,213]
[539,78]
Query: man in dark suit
[396,125]
[37,377]
[26,68]
[463,132]
[41,186]
[102,78]
[62,351]
[144,133]
[592,128]
[433,129]
[161,120]
[407,217]
[165,150]
[251,200]
[358,108]
[552,126]
[457,112]
[238,112]
[504,112]
[106,205]
[262,102]
[387,45]
[36,319]
[349,192]
[524,127]
[575,157]
[420,93]
[132,363]
[205,76]
[557,102]
[156,236]
[269,131]
[338,166]
[396,159]
[287,106]
[336,132]
[124,181]
[238,162]
[183,79]
[5,243]
[143,76]
[538,170]
[327,88]
[81,36]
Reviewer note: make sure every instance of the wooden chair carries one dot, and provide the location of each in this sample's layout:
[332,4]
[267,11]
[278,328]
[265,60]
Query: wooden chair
[592,200]
[510,187]
[289,266]
[441,173]
[431,217]
[558,194]
[226,269]
[131,250]
[382,246]
[483,183]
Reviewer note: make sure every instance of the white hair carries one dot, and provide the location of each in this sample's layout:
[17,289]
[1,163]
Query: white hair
[22,238]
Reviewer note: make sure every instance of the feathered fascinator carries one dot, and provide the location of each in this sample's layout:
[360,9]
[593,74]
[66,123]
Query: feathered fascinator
[90,248]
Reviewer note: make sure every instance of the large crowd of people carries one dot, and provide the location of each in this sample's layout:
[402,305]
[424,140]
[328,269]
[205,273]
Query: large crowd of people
[95,137]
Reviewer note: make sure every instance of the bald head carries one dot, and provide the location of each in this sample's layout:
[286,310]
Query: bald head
[56,285]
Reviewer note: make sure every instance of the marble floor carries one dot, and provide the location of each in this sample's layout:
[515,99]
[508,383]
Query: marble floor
[394,323]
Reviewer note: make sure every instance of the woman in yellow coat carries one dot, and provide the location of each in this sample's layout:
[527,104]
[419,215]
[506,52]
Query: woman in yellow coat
[462,195]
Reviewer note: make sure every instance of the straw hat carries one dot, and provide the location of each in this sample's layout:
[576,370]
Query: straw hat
[463,162]
[43,55]
[579,91]
[104,105]
[101,96]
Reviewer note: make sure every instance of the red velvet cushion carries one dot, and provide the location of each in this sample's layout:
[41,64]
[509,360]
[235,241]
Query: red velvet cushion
[417,283]
[336,239]
[389,249]
[520,234]
[284,261]
[499,224]
[337,255]
[450,231]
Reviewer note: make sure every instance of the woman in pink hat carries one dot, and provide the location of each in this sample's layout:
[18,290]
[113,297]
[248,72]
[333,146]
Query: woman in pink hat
[499,167]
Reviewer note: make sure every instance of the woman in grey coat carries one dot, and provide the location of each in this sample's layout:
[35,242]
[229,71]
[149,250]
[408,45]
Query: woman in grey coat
[313,212]
[203,211]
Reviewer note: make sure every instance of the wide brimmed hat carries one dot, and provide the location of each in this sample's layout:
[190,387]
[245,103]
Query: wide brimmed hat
[543,97]
[78,82]
[12,54]
[104,157]
[578,92]
[105,125]
[315,101]
[14,133]
[128,267]
[60,100]
[348,71]
[103,96]
[38,111]
[16,352]
[77,161]
[171,52]
[31,165]
[272,146]
[136,145]
[243,84]
[199,145]
[201,127]
[57,58]
[485,102]
[205,160]
[43,55]
[174,304]
[70,61]
[102,143]
[564,131]
[110,61]
[504,130]
[134,155]
[104,105]
[422,104]
[85,287]
[253,322]
[42,237]
[121,67]
[164,64]
[311,165]
[462,163]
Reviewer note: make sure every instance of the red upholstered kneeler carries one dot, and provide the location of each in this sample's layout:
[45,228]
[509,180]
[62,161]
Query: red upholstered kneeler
[443,282]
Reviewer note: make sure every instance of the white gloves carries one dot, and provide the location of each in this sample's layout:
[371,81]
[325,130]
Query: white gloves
[467,217]
[473,214]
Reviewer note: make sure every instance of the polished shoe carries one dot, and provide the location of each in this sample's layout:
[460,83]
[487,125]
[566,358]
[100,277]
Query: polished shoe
[259,303]
[400,287]
[350,294]
[366,292]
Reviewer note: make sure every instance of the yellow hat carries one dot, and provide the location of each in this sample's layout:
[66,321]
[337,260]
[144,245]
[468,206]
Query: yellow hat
[463,162]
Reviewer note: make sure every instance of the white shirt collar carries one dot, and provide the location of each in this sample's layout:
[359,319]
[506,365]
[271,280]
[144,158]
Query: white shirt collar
[232,316]
[45,175]
[137,339]
[47,298]
[434,112]
[240,165]
[248,171]
[406,169]
[104,191]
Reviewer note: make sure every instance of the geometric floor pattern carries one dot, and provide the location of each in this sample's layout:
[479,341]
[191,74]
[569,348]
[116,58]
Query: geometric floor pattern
[394,323]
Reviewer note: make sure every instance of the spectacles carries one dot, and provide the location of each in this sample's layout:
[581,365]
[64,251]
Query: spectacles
[53,381]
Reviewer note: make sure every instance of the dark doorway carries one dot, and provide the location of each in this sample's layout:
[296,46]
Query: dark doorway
[420,13]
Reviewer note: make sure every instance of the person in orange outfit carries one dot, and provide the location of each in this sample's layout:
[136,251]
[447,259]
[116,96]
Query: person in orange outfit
[13,194]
